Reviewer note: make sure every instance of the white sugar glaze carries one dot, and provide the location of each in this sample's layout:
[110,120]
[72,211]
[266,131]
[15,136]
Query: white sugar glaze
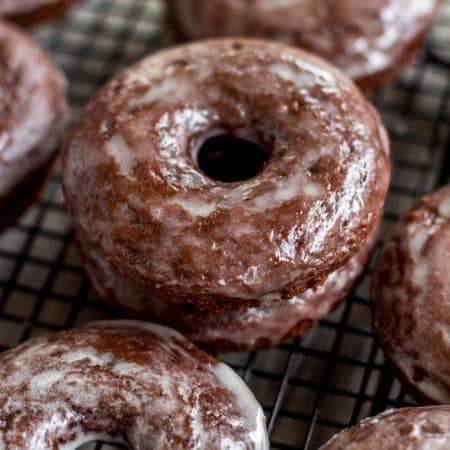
[138,383]
[411,289]
[158,219]
[268,323]
[32,105]
[426,428]
[363,38]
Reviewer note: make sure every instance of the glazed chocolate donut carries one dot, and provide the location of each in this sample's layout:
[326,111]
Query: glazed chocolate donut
[372,41]
[33,114]
[411,292]
[157,218]
[28,12]
[402,429]
[266,325]
[142,384]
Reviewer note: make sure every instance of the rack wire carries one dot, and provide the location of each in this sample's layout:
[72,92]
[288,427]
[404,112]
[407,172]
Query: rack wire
[310,388]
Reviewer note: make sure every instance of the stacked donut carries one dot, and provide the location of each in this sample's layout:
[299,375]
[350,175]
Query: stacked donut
[33,113]
[33,110]
[175,224]
[231,189]
[235,264]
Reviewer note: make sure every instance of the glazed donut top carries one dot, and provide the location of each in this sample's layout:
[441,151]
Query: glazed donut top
[142,384]
[161,221]
[411,290]
[33,107]
[425,428]
[361,37]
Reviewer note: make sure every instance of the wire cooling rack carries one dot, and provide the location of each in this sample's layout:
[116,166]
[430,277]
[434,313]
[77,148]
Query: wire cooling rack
[310,388]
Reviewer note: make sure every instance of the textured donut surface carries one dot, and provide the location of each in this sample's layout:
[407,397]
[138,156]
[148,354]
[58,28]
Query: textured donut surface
[33,110]
[425,428]
[411,291]
[364,38]
[266,325]
[158,219]
[141,384]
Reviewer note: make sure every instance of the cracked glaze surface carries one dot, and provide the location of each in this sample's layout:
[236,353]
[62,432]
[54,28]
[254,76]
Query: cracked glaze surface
[411,291]
[142,384]
[363,38]
[425,428]
[162,222]
[33,108]
[266,325]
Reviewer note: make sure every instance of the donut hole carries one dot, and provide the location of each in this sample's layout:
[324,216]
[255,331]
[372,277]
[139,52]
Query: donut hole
[229,159]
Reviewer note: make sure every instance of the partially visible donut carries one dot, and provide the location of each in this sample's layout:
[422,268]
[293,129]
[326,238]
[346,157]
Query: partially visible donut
[33,113]
[402,429]
[411,292]
[161,221]
[266,325]
[142,384]
[29,12]
[372,41]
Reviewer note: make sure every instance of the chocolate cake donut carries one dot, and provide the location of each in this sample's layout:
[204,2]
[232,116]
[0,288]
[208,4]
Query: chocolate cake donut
[150,211]
[140,384]
[402,429]
[265,325]
[28,12]
[411,292]
[33,114]
[372,41]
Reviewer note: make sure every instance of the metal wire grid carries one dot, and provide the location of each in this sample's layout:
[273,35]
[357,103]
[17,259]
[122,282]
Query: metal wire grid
[310,388]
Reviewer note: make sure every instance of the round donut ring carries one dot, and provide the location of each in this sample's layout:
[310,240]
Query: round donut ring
[29,12]
[255,328]
[158,219]
[142,384]
[372,41]
[400,429]
[411,292]
[33,115]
